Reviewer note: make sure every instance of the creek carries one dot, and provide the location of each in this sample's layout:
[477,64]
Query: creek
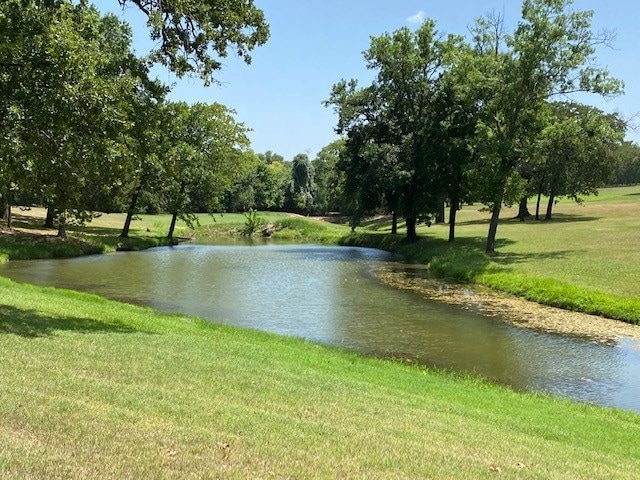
[331,295]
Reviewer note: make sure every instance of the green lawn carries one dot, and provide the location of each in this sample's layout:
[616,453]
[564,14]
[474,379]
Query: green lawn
[95,389]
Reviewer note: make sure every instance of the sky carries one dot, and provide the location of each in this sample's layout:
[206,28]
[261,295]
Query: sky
[316,43]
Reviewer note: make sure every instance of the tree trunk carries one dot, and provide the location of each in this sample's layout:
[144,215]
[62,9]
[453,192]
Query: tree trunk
[130,212]
[440,215]
[493,227]
[412,236]
[549,207]
[8,216]
[3,206]
[174,218]
[453,211]
[7,200]
[172,227]
[540,187]
[62,227]
[394,223]
[48,222]
[523,211]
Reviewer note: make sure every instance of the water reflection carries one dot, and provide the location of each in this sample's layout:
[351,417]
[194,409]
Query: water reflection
[329,295]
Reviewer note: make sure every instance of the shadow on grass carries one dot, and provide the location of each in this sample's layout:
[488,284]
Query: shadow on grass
[36,223]
[565,218]
[557,218]
[32,324]
[464,260]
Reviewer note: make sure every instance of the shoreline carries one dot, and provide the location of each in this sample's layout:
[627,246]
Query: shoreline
[514,310]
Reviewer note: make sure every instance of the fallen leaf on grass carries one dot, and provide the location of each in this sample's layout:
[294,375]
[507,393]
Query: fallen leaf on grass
[225,447]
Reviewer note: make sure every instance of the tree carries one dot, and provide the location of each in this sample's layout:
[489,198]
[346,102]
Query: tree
[205,153]
[301,195]
[387,123]
[194,35]
[628,171]
[148,117]
[579,150]
[329,180]
[71,73]
[452,137]
[549,54]
[263,185]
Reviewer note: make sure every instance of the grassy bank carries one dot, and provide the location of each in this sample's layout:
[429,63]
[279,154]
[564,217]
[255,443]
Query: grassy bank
[587,259]
[95,389]
[29,240]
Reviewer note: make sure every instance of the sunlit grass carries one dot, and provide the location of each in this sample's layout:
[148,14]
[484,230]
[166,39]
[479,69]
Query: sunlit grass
[587,258]
[95,389]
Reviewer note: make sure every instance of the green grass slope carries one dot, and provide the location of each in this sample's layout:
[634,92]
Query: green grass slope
[92,388]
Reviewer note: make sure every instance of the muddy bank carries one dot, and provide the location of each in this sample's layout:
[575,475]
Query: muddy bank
[518,311]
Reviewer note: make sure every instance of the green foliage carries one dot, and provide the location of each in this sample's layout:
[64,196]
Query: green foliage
[387,124]
[194,35]
[329,179]
[252,224]
[262,186]
[628,166]
[515,75]
[205,154]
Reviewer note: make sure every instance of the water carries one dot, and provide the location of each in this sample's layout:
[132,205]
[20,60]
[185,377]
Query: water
[329,295]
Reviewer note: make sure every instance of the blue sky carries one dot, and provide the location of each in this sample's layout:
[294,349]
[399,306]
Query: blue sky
[314,44]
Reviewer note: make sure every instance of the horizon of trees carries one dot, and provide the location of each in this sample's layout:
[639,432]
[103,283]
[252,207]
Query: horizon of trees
[447,121]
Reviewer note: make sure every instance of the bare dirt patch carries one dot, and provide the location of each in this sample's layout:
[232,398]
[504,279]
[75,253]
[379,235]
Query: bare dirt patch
[517,311]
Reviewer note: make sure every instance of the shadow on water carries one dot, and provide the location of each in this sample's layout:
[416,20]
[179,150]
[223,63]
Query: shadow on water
[32,324]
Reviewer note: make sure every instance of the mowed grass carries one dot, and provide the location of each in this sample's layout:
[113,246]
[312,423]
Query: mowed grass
[91,388]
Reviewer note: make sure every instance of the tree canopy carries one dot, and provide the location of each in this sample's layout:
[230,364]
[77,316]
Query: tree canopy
[195,34]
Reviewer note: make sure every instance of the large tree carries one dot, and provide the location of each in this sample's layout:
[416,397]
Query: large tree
[329,180]
[549,54]
[71,71]
[579,149]
[387,123]
[145,144]
[206,147]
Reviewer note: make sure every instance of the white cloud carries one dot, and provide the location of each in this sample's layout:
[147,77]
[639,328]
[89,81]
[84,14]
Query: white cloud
[417,18]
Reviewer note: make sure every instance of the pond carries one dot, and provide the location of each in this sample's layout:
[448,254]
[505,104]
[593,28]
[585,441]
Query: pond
[330,295]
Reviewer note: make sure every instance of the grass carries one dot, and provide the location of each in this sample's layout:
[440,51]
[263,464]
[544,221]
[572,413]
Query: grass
[586,259]
[96,389]
[31,241]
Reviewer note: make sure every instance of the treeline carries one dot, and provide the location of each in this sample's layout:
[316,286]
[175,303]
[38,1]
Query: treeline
[302,185]
[448,120]
[485,118]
